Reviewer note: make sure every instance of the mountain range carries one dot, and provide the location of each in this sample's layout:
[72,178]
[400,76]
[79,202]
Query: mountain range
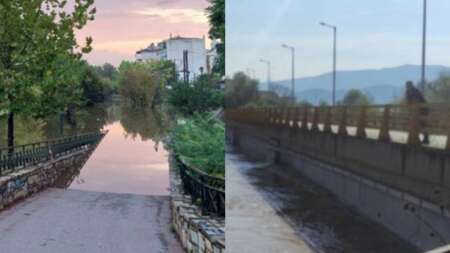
[382,85]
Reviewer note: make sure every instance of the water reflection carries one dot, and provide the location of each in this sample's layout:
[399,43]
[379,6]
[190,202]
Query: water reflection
[130,158]
[125,165]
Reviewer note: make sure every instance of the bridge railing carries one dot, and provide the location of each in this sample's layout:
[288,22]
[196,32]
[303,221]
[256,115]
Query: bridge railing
[19,157]
[206,190]
[413,120]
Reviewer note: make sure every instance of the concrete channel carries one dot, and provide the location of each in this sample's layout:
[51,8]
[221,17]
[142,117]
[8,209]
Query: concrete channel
[279,210]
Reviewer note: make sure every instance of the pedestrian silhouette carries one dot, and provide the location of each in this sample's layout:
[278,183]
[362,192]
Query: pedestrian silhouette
[414,96]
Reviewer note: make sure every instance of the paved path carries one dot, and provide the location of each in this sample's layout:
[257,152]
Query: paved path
[252,224]
[73,221]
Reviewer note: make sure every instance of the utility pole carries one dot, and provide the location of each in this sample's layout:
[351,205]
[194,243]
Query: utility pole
[424,47]
[293,70]
[186,66]
[334,57]
[269,81]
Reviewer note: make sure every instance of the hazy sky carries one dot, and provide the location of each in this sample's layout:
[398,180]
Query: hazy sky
[371,34]
[124,26]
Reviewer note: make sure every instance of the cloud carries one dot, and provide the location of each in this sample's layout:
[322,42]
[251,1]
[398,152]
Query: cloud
[175,15]
[124,46]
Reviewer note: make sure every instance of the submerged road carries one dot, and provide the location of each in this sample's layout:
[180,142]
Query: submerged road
[270,206]
[73,221]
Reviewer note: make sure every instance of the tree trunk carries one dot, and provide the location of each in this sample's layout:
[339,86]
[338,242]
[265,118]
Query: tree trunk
[11,131]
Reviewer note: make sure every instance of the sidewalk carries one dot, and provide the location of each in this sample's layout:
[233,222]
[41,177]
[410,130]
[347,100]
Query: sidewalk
[252,225]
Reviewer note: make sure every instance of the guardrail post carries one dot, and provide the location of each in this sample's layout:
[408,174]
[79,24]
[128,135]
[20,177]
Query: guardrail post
[327,123]
[362,123]
[284,120]
[315,122]
[305,119]
[342,130]
[384,128]
[414,125]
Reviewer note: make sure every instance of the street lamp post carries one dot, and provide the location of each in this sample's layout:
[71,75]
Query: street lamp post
[293,70]
[269,82]
[424,46]
[334,58]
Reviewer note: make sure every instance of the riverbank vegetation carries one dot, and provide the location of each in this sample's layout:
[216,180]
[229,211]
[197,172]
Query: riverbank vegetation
[199,136]
[145,83]
[40,56]
[200,96]
[200,142]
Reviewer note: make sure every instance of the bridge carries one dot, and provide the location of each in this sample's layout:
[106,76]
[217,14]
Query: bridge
[38,213]
[371,158]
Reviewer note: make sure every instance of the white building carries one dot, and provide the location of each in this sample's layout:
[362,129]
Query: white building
[211,56]
[172,49]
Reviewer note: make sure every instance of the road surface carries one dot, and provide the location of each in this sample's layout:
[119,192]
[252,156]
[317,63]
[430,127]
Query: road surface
[73,221]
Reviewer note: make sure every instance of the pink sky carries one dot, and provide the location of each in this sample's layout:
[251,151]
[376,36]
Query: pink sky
[122,27]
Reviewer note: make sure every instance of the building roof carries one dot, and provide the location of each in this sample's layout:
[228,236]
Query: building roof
[150,49]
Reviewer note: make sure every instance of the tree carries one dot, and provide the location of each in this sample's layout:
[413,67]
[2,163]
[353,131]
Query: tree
[355,97]
[107,71]
[203,95]
[216,15]
[439,90]
[240,90]
[37,47]
[142,83]
[95,88]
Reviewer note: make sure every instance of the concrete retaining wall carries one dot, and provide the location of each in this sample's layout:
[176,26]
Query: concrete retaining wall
[379,181]
[26,182]
[197,233]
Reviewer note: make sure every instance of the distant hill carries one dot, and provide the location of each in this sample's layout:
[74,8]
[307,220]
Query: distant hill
[383,85]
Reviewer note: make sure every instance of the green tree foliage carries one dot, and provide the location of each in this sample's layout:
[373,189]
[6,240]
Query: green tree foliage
[216,15]
[439,90]
[240,90]
[38,50]
[203,95]
[95,88]
[200,142]
[107,70]
[109,75]
[142,83]
[355,97]
[138,87]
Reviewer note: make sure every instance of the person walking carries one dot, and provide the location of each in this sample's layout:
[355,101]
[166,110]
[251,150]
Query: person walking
[413,96]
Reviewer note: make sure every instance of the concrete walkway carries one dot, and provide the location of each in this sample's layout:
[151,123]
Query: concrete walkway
[73,221]
[252,225]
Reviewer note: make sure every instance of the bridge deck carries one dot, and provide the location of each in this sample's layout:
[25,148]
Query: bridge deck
[73,221]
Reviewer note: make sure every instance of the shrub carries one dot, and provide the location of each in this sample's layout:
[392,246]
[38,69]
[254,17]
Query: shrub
[203,95]
[200,141]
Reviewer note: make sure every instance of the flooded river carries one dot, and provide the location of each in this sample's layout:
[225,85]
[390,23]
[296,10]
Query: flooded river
[131,157]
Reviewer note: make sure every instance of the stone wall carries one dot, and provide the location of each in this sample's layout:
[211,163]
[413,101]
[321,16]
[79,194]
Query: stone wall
[197,233]
[26,182]
[389,183]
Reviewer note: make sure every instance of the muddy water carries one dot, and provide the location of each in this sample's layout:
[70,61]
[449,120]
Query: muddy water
[317,217]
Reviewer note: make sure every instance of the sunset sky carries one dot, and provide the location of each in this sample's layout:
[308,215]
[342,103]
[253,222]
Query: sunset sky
[123,27]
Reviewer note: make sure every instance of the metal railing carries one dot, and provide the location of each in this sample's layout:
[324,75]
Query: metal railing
[206,191]
[19,157]
[414,120]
